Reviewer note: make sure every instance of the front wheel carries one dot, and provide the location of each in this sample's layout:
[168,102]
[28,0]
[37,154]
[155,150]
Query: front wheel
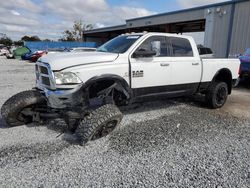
[216,95]
[14,110]
[98,123]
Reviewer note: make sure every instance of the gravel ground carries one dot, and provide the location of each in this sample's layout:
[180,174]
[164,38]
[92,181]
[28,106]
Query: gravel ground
[159,144]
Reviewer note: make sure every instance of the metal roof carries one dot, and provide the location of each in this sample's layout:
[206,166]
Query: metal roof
[103,29]
[189,9]
[124,26]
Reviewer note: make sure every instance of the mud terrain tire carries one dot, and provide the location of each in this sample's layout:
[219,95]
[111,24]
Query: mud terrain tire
[12,108]
[217,95]
[98,123]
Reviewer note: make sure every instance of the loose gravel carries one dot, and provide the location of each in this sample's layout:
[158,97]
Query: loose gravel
[158,144]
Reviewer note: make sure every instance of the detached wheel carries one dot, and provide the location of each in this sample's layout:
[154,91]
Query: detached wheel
[98,123]
[17,110]
[217,94]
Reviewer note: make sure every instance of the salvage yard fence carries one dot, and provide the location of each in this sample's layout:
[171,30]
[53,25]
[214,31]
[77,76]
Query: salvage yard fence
[33,46]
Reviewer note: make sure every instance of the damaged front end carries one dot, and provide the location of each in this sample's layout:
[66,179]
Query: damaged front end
[68,103]
[57,97]
[62,99]
[73,101]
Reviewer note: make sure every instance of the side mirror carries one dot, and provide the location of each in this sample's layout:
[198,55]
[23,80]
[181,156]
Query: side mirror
[144,53]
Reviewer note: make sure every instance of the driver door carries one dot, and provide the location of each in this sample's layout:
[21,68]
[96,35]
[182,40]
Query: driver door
[151,74]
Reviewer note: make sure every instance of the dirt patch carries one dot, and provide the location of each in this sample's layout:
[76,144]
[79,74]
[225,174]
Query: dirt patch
[238,104]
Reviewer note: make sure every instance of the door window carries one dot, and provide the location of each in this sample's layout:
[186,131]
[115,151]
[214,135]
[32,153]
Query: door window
[157,44]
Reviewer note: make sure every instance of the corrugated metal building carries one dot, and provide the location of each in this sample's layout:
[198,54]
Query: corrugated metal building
[226,26]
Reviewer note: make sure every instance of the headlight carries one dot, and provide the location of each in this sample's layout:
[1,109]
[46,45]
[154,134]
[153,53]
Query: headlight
[66,78]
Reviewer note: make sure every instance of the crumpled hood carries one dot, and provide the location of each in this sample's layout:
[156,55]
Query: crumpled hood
[62,60]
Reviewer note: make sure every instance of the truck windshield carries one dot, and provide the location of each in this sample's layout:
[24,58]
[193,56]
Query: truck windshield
[119,44]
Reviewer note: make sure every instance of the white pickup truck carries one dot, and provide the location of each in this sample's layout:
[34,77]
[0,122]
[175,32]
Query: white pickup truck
[85,88]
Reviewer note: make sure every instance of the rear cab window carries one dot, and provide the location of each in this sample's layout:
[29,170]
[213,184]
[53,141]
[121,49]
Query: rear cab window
[181,47]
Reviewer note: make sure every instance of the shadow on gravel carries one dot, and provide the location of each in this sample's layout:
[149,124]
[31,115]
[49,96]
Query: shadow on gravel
[60,126]
[143,136]
[2,124]
[163,103]
[57,125]
[180,129]
[147,106]
[26,153]
[197,100]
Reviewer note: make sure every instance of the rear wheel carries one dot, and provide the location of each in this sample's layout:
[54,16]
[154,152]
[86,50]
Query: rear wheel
[216,95]
[98,123]
[17,110]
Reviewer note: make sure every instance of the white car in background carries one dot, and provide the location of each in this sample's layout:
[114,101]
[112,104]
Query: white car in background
[4,51]
[10,53]
[82,49]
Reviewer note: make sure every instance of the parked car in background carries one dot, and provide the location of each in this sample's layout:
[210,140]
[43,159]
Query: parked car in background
[4,51]
[245,65]
[205,52]
[82,49]
[10,53]
[57,50]
[20,51]
[33,56]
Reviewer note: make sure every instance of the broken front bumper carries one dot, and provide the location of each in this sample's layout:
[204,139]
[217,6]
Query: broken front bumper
[64,98]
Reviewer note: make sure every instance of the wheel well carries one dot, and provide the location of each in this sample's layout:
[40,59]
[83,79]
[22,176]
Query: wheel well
[224,75]
[99,86]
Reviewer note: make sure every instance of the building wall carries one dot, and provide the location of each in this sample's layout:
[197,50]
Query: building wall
[240,39]
[217,29]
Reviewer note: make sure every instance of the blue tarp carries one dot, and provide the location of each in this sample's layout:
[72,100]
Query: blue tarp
[33,46]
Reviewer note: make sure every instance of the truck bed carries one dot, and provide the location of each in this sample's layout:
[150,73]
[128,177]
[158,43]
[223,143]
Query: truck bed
[210,66]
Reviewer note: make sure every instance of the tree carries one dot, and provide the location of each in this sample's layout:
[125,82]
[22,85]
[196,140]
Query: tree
[68,36]
[19,43]
[47,40]
[30,38]
[25,38]
[6,41]
[77,33]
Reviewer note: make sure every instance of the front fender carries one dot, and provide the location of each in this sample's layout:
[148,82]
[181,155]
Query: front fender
[117,79]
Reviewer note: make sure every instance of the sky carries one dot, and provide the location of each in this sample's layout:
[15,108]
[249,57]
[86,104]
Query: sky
[49,18]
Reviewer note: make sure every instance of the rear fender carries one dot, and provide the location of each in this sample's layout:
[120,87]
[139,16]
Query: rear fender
[224,75]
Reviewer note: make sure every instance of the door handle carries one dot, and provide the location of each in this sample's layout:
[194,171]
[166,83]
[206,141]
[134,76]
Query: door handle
[164,64]
[195,63]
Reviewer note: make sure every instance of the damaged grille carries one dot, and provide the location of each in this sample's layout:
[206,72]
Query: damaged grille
[44,75]
[45,81]
[44,70]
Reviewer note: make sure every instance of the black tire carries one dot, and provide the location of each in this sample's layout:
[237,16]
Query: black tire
[216,95]
[98,123]
[11,110]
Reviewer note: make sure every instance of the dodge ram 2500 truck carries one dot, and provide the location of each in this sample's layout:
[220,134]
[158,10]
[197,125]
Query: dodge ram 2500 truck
[85,88]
